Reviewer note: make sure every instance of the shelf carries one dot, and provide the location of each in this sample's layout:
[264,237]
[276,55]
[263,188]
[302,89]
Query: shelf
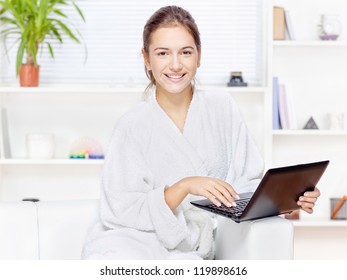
[94,89]
[75,89]
[234,89]
[312,43]
[23,161]
[309,132]
[320,223]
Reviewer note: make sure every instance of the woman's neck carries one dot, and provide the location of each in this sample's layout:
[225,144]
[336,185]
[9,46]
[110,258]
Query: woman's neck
[176,105]
[174,102]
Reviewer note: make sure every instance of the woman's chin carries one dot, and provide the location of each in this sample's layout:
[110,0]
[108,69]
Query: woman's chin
[176,88]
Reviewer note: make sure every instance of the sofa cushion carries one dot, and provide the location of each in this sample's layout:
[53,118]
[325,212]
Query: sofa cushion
[63,226]
[18,231]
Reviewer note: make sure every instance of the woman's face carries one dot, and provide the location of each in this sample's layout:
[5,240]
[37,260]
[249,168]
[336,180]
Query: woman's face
[173,59]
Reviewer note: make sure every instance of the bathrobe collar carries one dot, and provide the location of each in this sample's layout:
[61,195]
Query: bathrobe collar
[192,107]
[183,139]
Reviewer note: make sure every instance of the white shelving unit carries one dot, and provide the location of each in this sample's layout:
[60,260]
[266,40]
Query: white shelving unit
[313,72]
[70,112]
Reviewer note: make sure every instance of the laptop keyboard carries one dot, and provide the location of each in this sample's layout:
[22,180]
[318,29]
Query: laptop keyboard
[230,211]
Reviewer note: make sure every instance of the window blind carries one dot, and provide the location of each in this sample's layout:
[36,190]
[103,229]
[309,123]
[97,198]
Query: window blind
[232,36]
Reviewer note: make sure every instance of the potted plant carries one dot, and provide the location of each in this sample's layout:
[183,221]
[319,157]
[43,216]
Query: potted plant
[35,23]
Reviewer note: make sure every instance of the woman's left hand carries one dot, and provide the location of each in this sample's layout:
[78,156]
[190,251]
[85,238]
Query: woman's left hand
[308,200]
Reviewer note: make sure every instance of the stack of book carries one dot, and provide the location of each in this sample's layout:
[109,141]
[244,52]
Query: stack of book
[283,114]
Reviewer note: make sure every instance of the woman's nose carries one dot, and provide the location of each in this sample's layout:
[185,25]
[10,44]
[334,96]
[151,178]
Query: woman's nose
[175,64]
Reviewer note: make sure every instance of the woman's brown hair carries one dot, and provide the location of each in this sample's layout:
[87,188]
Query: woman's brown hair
[164,17]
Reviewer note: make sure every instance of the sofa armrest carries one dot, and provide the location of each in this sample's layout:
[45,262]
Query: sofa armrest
[268,238]
[18,231]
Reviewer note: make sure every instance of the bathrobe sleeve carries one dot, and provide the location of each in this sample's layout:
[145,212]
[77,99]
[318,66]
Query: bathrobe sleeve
[246,165]
[129,195]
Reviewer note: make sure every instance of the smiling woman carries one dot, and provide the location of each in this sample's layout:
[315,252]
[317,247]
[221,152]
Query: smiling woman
[161,155]
[178,144]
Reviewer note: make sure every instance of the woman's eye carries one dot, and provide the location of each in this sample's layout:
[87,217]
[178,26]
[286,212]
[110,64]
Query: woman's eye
[186,52]
[162,53]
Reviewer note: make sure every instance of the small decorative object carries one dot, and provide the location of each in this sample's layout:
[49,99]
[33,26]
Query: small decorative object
[338,208]
[294,215]
[336,121]
[40,145]
[236,80]
[330,27]
[86,148]
[311,124]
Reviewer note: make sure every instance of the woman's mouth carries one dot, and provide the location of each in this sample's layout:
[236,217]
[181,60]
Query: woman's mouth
[175,76]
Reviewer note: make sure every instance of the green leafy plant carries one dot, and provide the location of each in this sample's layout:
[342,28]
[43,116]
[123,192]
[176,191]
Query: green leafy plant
[35,21]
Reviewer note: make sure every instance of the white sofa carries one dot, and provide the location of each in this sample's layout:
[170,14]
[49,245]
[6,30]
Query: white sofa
[57,229]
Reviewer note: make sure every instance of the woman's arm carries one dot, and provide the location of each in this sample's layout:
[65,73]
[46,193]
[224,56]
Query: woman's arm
[217,191]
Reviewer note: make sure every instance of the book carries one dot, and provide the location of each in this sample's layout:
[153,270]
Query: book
[275,104]
[5,150]
[278,23]
[283,107]
[289,25]
[286,109]
[1,138]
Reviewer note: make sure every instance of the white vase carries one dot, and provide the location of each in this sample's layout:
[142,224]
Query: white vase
[40,145]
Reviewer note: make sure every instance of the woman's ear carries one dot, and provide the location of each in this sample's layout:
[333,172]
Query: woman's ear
[146,59]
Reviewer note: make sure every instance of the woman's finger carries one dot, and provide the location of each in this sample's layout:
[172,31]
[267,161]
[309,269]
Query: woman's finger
[308,210]
[225,193]
[306,205]
[229,188]
[212,198]
[314,193]
[308,199]
[215,191]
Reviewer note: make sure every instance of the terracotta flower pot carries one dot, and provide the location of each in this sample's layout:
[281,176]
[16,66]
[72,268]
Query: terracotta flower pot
[29,75]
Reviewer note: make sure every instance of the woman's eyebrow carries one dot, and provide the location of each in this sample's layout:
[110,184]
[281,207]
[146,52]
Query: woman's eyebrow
[161,48]
[165,49]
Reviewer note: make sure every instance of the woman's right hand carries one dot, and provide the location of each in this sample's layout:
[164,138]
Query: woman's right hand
[216,190]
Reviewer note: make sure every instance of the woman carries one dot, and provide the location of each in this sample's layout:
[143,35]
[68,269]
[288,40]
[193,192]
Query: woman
[179,144]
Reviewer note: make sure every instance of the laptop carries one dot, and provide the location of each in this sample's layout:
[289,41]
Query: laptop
[277,193]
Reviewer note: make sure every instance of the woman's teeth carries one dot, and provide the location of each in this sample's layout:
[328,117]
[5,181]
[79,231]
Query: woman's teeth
[174,76]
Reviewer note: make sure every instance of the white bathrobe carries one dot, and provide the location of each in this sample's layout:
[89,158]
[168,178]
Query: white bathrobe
[148,153]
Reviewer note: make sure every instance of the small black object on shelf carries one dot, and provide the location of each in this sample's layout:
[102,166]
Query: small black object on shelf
[236,80]
[311,124]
